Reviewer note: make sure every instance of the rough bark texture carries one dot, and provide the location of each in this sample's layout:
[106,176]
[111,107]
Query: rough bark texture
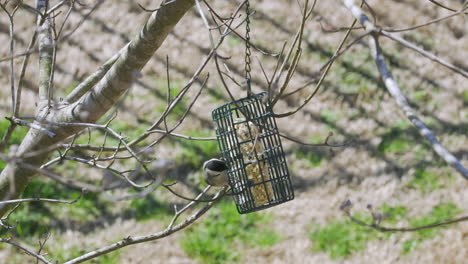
[96,102]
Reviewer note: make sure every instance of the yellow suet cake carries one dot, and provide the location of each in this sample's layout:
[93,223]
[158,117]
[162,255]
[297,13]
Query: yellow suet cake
[253,153]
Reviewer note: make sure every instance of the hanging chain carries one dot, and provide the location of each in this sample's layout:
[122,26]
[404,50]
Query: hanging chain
[248,52]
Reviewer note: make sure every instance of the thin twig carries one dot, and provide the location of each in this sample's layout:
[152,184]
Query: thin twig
[27,250]
[425,53]
[427,23]
[25,200]
[322,77]
[395,91]
[140,239]
[378,217]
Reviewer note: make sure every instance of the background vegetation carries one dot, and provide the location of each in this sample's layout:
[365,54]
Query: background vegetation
[388,165]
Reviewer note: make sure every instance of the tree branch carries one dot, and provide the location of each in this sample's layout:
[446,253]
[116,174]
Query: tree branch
[395,91]
[25,249]
[140,239]
[424,53]
[46,50]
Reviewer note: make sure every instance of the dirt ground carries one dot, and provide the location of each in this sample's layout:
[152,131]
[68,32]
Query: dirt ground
[363,172]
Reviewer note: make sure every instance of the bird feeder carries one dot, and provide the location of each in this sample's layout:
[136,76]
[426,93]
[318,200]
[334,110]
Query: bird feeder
[250,143]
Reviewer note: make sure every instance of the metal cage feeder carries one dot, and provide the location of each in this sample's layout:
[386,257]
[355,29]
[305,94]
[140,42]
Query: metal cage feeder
[249,142]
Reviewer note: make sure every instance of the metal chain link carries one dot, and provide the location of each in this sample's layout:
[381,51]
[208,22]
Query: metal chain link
[248,52]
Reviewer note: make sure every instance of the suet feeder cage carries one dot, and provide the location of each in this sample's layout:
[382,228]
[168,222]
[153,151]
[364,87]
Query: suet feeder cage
[250,143]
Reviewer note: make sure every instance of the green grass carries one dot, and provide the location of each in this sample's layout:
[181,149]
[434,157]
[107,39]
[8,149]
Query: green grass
[353,83]
[149,208]
[234,41]
[421,97]
[393,214]
[464,95]
[329,116]
[195,153]
[425,180]
[396,143]
[439,213]
[34,218]
[400,141]
[180,108]
[16,137]
[402,124]
[224,234]
[314,158]
[61,255]
[341,239]
[126,130]
[176,113]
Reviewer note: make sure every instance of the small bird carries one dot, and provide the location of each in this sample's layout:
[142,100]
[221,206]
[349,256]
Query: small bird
[215,172]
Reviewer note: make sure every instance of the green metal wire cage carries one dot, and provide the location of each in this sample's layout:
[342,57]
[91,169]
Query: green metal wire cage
[249,142]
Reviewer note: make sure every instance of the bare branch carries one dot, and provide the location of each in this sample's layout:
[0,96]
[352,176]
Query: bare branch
[24,66]
[25,249]
[441,5]
[32,125]
[187,206]
[325,143]
[346,208]
[323,76]
[45,52]
[425,53]
[57,6]
[92,80]
[395,91]
[25,200]
[140,239]
[427,23]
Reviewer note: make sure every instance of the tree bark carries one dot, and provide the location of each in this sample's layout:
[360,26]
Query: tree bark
[91,106]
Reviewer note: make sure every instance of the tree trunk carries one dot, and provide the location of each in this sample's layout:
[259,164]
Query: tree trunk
[91,106]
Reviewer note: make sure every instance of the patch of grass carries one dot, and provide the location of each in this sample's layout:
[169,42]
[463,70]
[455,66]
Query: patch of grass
[127,130]
[398,145]
[421,96]
[425,180]
[341,239]
[215,94]
[464,95]
[221,236]
[34,218]
[393,213]
[234,41]
[440,213]
[421,39]
[194,153]
[61,255]
[148,208]
[329,116]
[401,124]
[353,83]
[397,141]
[110,258]
[176,87]
[16,137]
[176,113]
[314,158]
